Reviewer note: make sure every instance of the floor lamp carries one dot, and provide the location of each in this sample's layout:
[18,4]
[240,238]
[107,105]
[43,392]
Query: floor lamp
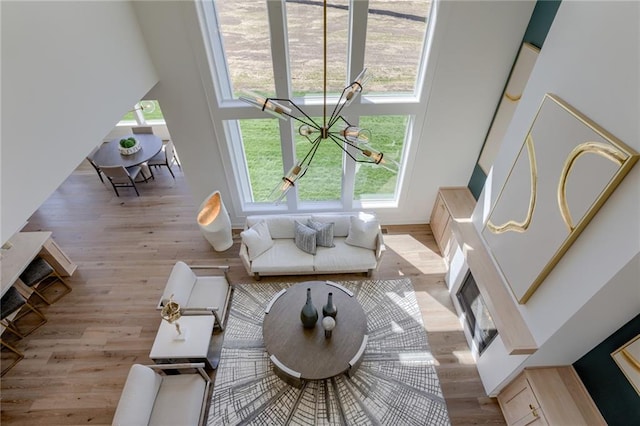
[214,222]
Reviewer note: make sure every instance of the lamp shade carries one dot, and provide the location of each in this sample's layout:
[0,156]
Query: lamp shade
[214,222]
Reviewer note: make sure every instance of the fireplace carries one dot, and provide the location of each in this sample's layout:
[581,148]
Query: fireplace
[478,318]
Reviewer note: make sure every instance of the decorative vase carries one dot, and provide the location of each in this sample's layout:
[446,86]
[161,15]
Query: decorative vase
[328,323]
[309,313]
[329,310]
[214,222]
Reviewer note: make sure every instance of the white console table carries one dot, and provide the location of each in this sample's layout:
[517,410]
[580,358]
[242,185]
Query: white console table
[195,347]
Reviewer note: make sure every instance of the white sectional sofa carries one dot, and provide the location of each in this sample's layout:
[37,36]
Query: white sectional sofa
[270,247]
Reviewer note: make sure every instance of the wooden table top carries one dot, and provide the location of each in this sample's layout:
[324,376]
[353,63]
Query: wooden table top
[25,246]
[307,351]
[109,153]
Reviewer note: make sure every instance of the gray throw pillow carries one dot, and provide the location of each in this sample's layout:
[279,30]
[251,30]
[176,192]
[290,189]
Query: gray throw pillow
[305,238]
[324,232]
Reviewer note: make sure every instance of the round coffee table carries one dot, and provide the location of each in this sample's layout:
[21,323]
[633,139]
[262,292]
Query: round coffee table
[307,351]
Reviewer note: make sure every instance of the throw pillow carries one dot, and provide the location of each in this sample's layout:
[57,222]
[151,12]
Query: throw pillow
[305,238]
[324,232]
[257,239]
[362,234]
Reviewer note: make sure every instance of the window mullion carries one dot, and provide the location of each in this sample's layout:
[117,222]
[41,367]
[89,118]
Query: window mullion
[358,14]
[282,78]
[355,57]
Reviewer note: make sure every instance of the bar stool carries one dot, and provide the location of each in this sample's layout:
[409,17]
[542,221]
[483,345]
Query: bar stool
[15,351]
[39,276]
[12,302]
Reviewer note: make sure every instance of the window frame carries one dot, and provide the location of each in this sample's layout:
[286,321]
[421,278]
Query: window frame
[228,110]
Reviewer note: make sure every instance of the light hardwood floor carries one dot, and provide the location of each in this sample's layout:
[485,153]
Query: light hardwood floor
[76,364]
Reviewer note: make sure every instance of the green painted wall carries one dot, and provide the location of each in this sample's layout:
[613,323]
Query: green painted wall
[541,19]
[617,400]
[476,183]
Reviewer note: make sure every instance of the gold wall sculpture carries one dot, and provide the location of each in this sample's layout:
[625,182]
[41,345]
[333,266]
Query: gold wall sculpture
[567,168]
[628,359]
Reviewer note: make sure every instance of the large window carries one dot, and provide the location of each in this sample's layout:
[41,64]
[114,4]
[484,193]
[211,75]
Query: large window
[251,42]
[144,112]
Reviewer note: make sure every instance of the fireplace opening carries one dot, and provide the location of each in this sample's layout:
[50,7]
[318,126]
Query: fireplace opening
[481,325]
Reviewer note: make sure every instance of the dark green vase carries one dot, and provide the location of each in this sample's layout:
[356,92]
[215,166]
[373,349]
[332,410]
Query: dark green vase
[309,313]
[329,310]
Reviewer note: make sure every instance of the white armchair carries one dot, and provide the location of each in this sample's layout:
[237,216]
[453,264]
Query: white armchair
[198,294]
[152,398]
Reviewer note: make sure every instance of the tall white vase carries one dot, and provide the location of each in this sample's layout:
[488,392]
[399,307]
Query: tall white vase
[214,222]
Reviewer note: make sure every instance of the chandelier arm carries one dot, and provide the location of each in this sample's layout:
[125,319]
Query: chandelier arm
[339,143]
[312,123]
[339,117]
[335,115]
[314,148]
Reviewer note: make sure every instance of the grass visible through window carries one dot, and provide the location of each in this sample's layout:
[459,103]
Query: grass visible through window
[323,179]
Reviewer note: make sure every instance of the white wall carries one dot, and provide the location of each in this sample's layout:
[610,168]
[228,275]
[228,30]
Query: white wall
[70,71]
[176,46]
[591,59]
[86,63]
[475,44]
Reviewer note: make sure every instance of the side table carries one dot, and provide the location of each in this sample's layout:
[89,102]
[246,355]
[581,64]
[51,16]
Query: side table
[195,348]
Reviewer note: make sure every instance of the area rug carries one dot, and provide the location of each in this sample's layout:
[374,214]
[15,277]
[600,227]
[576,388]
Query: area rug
[396,383]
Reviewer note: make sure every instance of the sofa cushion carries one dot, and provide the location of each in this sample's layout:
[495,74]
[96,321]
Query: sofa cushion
[305,238]
[363,233]
[210,292]
[284,257]
[179,400]
[340,222]
[257,239]
[344,257]
[280,226]
[138,397]
[324,232]
[179,284]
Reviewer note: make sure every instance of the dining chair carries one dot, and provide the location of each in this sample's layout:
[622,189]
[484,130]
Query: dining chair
[142,130]
[16,352]
[121,177]
[39,276]
[12,303]
[93,163]
[166,157]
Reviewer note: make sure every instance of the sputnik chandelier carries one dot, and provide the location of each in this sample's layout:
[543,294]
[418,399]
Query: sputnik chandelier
[335,128]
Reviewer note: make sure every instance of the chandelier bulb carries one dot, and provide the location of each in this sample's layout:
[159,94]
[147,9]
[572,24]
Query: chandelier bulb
[265,104]
[306,130]
[355,134]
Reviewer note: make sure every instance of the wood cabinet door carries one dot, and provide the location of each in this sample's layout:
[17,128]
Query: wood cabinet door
[519,404]
[439,219]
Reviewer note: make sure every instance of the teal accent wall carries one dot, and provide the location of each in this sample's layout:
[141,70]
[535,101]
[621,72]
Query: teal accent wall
[542,17]
[477,181]
[615,397]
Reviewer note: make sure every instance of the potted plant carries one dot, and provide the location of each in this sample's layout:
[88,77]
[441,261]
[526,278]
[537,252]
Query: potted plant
[129,146]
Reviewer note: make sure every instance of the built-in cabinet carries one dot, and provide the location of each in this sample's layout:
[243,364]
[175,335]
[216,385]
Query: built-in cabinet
[548,396]
[452,203]
[58,259]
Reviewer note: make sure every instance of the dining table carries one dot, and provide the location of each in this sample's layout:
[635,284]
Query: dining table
[109,153]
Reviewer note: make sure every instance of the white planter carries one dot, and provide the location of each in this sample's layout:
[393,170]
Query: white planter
[128,151]
[214,222]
